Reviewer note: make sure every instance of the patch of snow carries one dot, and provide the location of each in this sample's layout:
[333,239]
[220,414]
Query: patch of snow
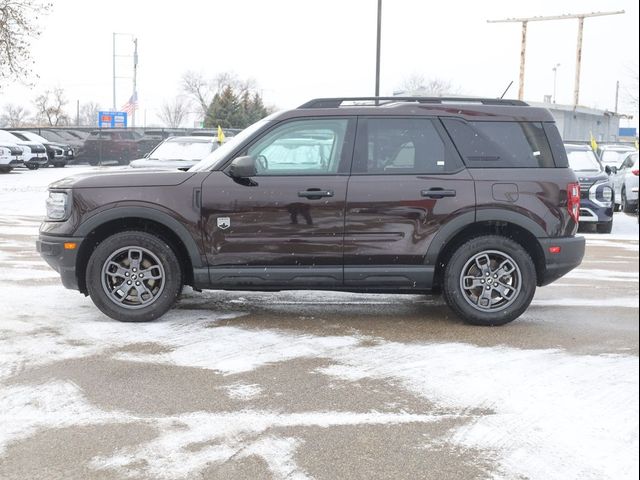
[219,437]
[602,275]
[624,302]
[243,391]
[556,416]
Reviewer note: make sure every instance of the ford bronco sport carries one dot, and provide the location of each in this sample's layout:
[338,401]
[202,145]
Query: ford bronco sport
[473,197]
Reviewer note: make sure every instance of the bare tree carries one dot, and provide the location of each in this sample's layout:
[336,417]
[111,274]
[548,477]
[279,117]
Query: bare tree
[417,85]
[173,113]
[18,26]
[631,89]
[89,114]
[201,89]
[14,116]
[50,107]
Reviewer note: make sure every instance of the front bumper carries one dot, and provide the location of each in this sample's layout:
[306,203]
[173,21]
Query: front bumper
[41,160]
[62,260]
[590,212]
[559,264]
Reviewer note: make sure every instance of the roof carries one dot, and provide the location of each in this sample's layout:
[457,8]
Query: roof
[578,146]
[192,138]
[472,109]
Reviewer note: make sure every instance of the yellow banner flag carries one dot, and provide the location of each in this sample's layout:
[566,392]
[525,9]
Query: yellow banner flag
[220,135]
[594,144]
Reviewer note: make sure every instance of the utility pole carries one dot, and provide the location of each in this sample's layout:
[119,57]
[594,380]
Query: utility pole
[617,93]
[555,75]
[523,47]
[378,48]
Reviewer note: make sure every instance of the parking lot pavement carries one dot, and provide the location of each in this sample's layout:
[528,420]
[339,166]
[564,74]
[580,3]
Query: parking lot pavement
[298,385]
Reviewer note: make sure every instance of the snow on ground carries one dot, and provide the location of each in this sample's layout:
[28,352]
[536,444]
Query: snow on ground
[538,414]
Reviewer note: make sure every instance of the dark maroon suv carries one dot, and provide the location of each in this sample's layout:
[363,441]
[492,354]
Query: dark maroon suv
[473,197]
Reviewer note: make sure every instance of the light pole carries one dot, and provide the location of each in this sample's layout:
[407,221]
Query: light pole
[378,48]
[555,75]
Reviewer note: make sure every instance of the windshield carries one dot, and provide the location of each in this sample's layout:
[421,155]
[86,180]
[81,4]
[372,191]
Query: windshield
[183,149]
[34,137]
[7,137]
[220,153]
[583,161]
[614,157]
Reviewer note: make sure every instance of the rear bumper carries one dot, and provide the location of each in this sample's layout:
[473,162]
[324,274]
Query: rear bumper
[559,264]
[62,260]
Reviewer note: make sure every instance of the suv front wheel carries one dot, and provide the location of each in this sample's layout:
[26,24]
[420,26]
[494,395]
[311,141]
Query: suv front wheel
[489,280]
[133,277]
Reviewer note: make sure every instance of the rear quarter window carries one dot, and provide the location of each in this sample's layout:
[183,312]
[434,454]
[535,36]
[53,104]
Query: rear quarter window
[501,144]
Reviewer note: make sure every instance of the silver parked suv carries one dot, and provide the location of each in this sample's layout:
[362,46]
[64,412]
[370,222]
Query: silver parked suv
[625,183]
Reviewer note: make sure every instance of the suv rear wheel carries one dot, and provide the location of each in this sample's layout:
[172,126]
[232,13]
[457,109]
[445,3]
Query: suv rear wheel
[133,277]
[489,280]
[624,202]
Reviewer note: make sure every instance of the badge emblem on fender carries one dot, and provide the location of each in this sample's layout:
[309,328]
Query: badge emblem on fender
[224,223]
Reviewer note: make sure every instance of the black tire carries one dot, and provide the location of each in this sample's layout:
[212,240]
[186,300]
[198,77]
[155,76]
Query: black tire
[5,170]
[162,294]
[604,227]
[460,301]
[32,166]
[624,203]
[59,165]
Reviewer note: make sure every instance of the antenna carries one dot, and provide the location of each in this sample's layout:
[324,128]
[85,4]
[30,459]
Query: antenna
[506,90]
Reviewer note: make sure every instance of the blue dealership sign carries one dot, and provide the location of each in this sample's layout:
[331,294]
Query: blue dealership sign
[112,119]
[626,132]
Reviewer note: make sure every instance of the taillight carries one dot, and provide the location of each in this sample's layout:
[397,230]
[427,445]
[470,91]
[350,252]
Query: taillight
[573,200]
[635,172]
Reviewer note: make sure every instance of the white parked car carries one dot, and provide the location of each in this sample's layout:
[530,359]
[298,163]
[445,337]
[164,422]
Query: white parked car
[612,155]
[178,152]
[11,156]
[625,183]
[35,154]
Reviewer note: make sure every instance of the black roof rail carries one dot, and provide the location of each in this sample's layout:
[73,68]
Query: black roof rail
[337,102]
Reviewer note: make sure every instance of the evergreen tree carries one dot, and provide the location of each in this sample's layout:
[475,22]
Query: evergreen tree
[225,110]
[229,110]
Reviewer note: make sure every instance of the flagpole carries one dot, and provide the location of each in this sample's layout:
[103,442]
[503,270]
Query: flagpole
[135,75]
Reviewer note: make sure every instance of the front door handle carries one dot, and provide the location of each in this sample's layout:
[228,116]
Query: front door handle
[315,193]
[438,193]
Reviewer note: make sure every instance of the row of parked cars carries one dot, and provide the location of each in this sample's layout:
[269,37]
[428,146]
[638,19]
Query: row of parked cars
[58,147]
[608,181]
[28,149]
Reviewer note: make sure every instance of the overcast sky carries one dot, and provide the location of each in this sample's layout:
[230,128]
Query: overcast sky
[296,50]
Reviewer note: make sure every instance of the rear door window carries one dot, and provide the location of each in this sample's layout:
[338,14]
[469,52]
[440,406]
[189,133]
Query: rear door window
[389,146]
[501,144]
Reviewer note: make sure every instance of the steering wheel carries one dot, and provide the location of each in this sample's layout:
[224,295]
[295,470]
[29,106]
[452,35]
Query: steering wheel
[262,162]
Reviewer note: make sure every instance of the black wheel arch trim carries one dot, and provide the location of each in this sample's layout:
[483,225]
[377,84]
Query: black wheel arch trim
[448,231]
[144,213]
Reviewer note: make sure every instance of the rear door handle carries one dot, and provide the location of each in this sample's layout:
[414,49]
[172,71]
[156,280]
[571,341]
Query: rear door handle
[438,193]
[315,193]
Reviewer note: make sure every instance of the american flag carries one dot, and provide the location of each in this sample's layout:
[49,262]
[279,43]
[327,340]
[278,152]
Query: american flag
[131,105]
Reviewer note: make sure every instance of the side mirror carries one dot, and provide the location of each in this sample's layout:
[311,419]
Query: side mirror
[243,167]
[608,170]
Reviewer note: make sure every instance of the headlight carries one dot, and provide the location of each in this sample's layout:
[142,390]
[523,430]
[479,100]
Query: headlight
[601,194]
[57,206]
